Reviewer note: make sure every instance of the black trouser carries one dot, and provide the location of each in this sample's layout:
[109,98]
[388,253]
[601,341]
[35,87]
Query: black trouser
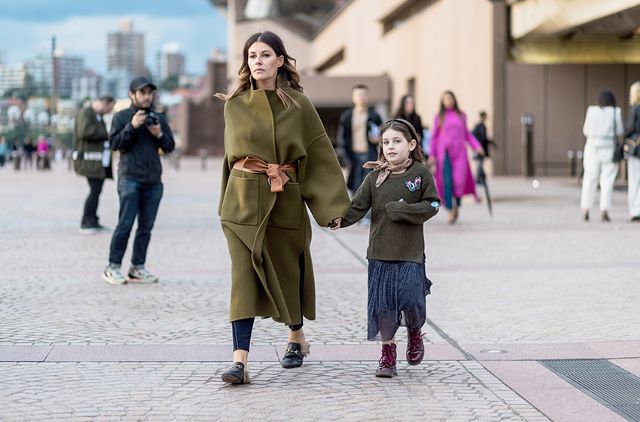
[90,215]
[241,330]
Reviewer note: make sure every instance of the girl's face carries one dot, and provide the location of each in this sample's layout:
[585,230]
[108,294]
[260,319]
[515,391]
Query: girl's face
[447,101]
[395,147]
[409,105]
[263,63]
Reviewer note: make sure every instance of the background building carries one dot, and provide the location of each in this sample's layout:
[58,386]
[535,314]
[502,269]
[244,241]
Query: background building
[170,63]
[507,57]
[67,69]
[87,85]
[12,77]
[125,49]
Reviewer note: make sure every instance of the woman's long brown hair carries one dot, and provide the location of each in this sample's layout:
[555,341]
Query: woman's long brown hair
[288,69]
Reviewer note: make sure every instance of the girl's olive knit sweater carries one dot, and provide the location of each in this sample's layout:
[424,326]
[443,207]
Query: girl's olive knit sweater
[399,206]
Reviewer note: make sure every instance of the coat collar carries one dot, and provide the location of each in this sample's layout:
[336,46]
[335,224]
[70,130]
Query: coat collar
[281,82]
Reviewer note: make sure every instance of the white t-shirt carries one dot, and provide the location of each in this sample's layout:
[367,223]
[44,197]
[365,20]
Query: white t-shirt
[598,125]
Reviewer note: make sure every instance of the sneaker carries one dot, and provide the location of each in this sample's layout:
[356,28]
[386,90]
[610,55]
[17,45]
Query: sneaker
[236,374]
[114,276]
[141,276]
[387,363]
[99,227]
[86,229]
[415,348]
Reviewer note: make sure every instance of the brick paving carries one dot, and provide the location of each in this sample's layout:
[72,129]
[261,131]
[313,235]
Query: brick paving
[531,277]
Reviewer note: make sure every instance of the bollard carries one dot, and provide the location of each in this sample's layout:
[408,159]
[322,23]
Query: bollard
[527,120]
[572,162]
[579,155]
[203,157]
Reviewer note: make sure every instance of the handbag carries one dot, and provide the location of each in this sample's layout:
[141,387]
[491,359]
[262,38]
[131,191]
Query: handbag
[618,151]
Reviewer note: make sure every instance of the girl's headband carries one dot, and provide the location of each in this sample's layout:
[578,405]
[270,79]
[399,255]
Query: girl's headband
[409,126]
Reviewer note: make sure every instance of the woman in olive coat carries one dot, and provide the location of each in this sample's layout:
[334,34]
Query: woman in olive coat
[278,161]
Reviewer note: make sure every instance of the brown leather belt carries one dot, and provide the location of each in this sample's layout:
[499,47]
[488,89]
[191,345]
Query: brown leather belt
[275,172]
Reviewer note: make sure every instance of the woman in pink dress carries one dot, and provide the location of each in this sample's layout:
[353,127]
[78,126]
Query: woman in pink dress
[449,153]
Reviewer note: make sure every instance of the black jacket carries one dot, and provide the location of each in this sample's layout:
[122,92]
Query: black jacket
[632,128]
[344,138]
[138,148]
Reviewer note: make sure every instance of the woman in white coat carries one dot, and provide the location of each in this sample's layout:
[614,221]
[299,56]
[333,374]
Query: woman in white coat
[602,126]
[633,160]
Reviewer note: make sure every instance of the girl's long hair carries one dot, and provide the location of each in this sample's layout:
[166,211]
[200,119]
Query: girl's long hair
[443,108]
[288,69]
[408,131]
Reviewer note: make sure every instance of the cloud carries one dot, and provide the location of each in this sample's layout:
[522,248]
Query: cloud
[86,36]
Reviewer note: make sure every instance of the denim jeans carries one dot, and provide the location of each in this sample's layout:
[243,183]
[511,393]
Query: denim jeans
[136,199]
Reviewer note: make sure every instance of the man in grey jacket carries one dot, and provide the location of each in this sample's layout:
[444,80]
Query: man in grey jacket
[137,133]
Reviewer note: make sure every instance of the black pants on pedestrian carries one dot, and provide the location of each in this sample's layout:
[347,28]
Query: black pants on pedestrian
[241,330]
[90,214]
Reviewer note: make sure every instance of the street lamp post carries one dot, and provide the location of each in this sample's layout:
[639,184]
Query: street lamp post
[54,90]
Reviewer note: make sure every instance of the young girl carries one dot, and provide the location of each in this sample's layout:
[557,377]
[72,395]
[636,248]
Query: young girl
[402,196]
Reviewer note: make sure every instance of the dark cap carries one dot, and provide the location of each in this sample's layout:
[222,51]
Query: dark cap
[139,83]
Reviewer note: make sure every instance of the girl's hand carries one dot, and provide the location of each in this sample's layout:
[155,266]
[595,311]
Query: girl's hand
[335,223]
[431,161]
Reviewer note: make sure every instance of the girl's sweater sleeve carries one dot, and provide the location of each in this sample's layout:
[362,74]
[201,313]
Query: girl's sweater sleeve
[360,203]
[419,212]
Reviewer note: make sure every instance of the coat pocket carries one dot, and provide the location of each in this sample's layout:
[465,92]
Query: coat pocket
[241,200]
[287,210]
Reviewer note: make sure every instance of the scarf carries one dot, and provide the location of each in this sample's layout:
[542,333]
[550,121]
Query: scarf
[386,168]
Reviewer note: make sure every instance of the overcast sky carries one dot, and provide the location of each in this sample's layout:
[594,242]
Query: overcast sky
[81,27]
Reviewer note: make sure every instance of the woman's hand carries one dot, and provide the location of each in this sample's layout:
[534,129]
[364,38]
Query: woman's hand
[335,223]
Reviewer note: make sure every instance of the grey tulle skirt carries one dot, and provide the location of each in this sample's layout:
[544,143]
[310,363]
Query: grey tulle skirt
[397,297]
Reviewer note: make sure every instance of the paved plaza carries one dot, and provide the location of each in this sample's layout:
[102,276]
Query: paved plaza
[531,284]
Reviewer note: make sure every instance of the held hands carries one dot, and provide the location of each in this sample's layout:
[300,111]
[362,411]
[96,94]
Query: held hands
[335,223]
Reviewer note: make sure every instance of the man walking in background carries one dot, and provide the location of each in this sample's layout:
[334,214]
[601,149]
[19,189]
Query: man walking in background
[92,157]
[137,132]
[358,135]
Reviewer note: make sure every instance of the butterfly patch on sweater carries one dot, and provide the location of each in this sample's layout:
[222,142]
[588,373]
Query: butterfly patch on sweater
[413,185]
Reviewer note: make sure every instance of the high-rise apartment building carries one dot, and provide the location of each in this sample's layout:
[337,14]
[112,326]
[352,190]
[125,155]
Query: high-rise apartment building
[171,62]
[125,50]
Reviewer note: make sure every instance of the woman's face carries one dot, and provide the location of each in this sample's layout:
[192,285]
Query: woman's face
[263,63]
[447,101]
[395,147]
[409,105]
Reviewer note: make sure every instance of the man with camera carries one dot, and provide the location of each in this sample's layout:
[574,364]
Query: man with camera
[137,133]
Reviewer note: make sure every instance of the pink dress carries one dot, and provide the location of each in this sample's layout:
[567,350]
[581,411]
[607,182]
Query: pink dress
[452,138]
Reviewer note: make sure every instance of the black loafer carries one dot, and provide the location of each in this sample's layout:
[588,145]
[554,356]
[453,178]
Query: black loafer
[236,374]
[294,355]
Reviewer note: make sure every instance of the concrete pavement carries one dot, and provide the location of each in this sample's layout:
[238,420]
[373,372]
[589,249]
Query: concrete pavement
[532,283]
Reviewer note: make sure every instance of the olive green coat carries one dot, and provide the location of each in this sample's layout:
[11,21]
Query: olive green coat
[88,145]
[269,234]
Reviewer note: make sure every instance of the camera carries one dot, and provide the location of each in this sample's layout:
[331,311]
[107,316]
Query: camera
[152,118]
